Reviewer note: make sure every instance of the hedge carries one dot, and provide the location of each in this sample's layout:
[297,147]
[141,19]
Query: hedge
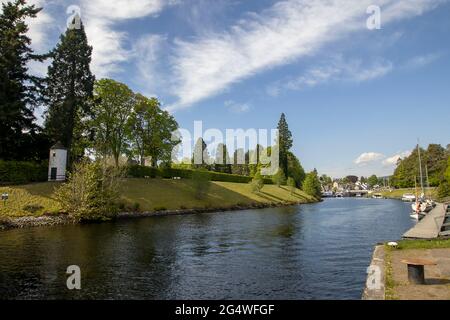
[19,172]
[137,171]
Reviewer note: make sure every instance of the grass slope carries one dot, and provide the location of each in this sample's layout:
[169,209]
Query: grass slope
[398,193]
[151,195]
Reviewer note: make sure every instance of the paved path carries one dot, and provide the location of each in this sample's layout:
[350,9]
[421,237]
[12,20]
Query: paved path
[437,278]
[430,226]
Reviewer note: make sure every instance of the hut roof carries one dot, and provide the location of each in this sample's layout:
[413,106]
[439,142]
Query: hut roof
[58,146]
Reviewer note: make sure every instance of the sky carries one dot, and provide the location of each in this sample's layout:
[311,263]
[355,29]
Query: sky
[356,98]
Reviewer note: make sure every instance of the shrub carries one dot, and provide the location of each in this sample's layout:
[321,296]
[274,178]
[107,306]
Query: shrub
[136,171]
[312,185]
[91,192]
[291,184]
[279,178]
[136,207]
[201,182]
[443,190]
[20,172]
[33,208]
[257,183]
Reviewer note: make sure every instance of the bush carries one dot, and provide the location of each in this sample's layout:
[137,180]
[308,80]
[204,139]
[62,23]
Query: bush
[257,183]
[443,190]
[279,178]
[201,182]
[312,185]
[20,172]
[136,171]
[91,192]
[291,184]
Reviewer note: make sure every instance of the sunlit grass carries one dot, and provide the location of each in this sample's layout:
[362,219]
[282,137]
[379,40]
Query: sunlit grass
[29,200]
[150,195]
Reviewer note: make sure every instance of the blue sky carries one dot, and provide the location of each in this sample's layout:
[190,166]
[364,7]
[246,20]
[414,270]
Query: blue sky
[355,99]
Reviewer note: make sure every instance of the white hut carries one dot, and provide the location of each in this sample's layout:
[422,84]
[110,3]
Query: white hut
[57,163]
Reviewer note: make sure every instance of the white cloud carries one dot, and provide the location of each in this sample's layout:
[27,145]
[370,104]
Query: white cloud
[335,70]
[287,31]
[392,161]
[237,107]
[109,45]
[368,157]
[422,61]
[147,52]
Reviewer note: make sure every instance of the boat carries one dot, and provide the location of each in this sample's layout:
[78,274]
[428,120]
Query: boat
[327,194]
[377,196]
[423,204]
[409,197]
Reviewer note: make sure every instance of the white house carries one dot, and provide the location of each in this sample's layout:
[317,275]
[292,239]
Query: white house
[57,163]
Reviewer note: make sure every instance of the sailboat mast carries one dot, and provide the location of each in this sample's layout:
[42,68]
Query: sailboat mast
[420,168]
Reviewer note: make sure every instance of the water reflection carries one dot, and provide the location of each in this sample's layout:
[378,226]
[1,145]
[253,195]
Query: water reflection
[318,251]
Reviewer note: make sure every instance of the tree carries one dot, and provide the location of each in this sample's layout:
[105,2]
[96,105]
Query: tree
[291,184]
[312,185]
[200,157]
[279,178]
[372,181]
[69,90]
[113,104]
[222,161]
[90,192]
[17,86]
[240,166]
[434,161]
[151,131]
[447,171]
[295,169]
[285,143]
[257,183]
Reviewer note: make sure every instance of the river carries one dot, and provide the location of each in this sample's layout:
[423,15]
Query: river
[317,251]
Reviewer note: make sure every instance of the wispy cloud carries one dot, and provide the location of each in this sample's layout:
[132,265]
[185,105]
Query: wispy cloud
[335,70]
[237,107]
[285,32]
[422,61]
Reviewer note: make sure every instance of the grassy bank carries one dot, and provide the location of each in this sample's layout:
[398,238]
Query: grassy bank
[150,195]
[398,193]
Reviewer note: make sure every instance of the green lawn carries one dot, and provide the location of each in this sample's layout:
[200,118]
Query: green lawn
[423,244]
[151,194]
[398,193]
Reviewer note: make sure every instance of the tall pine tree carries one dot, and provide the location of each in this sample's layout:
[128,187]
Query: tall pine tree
[69,89]
[285,143]
[17,96]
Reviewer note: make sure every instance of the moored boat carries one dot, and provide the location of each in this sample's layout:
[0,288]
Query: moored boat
[409,197]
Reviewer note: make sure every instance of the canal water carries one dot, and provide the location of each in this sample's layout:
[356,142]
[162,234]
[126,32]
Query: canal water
[318,251]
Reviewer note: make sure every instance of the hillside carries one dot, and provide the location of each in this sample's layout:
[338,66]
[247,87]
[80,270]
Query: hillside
[150,195]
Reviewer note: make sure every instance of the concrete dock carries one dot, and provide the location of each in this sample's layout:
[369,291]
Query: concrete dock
[430,226]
